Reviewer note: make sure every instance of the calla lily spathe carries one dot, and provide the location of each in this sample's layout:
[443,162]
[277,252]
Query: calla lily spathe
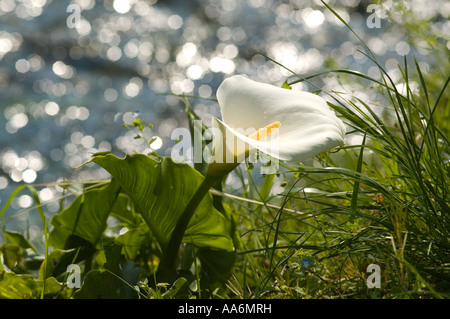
[286,124]
[307,125]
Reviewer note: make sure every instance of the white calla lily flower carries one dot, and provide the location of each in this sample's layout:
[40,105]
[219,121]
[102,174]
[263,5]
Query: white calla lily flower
[286,124]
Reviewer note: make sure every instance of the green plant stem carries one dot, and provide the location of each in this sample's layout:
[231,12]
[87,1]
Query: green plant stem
[170,256]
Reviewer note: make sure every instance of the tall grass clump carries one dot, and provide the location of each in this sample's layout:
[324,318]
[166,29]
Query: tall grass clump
[382,201]
[408,225]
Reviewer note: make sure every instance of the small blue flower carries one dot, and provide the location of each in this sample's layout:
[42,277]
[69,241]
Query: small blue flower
[136,113]
[306,263]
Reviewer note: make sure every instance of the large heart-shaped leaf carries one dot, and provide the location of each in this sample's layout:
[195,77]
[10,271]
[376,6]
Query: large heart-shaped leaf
[160,191]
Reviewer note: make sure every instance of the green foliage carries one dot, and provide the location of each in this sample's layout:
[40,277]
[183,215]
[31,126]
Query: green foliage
[85,217]
[147,196]
[286,85]
[14,286]
[160,191]
[106,282]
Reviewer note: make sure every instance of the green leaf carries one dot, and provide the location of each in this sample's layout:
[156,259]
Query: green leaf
[197,129]
[160,191]
[19,240]
[267,186]
[286,85]
[14,286]
[85,217]
[216,265]
[107,283]
[12,255]
[354,202]
[179,290]
[132,241]
[124,211]
[60,260]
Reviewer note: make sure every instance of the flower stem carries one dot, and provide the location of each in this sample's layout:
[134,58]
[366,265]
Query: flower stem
[170,255]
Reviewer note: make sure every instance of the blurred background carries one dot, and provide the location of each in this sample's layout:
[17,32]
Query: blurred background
[73,72]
